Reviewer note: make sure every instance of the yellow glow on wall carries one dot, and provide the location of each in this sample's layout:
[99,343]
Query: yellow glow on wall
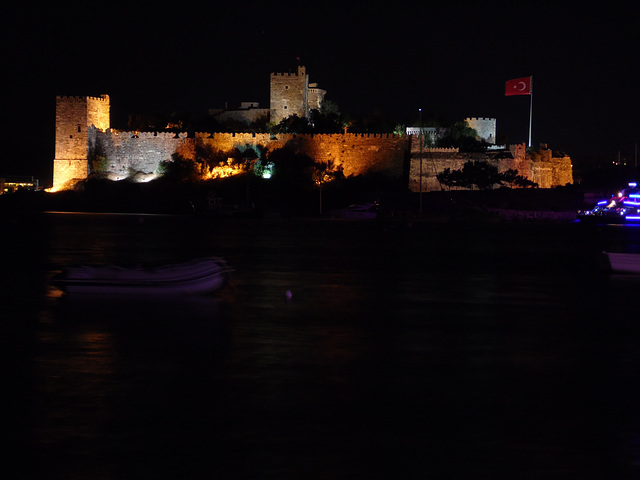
[224,170]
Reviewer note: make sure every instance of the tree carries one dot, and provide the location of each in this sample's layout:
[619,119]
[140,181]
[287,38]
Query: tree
[322,173]
[327,119]
[512,178]
[99,165]
[463,137]
[292,124]
[290,168]
[450,178]
[179,169]
[482,175]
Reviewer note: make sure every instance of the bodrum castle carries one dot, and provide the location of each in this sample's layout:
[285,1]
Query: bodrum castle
[84,134]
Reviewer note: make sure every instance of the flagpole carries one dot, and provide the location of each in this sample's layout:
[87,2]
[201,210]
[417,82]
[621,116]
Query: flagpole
[530,107]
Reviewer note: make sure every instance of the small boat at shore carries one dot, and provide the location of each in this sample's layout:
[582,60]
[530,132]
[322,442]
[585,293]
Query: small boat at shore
[196,277]
[623,208]
[359,211]
[624,262]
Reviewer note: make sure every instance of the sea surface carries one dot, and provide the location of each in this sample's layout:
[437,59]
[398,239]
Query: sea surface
[339,350]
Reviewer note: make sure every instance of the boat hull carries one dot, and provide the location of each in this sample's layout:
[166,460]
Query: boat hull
[197,277]
[624,262]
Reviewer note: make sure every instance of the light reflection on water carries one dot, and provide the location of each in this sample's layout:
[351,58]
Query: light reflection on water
[435,351]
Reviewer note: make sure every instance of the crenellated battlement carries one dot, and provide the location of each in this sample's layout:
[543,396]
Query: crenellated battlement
[301,72]
[441,150]
[284,74]
[76,99]
[480,119]
[147,135]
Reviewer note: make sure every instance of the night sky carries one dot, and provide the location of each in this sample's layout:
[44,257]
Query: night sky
[450,60]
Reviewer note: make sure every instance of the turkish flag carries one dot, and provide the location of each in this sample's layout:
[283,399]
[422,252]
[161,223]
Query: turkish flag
[518,86]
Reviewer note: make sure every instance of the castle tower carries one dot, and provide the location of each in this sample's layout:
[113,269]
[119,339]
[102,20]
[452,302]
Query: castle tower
[289,95]
[316,96]
[74,117]
[484,127]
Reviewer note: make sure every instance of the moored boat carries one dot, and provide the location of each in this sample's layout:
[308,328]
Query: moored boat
[196,277]
[624,262]
[621,208]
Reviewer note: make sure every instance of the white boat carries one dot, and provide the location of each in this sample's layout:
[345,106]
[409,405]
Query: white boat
[196,277]
[624,262]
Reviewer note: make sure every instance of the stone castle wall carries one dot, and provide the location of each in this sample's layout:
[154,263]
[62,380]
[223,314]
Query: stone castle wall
[550,171]
[85,144]
[125,154]
[542,168]
[129,153]
[359,153]
[138,154]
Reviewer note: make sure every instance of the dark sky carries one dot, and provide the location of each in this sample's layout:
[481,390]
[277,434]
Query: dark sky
[450,60]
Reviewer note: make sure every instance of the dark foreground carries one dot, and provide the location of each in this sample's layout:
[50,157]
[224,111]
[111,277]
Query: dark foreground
[446,350]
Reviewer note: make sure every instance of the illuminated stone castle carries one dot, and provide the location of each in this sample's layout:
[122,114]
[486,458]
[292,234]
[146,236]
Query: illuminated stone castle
[76,118]
[292,94]
[83,132]
[86,144]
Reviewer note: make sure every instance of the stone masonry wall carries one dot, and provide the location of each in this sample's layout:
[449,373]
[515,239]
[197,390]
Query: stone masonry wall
[360,153]
[289,94]
[552,170]
[128,153]
[75,117]
[544,169]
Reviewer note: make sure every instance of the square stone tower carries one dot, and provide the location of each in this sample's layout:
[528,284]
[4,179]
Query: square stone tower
[484,127]
[74,117]
[289,95]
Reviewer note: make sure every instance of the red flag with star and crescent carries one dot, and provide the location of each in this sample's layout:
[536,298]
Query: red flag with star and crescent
[518,86]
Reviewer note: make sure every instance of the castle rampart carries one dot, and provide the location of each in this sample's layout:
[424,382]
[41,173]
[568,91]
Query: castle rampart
[120,154]
[85,144]
[124,154]
[540,167]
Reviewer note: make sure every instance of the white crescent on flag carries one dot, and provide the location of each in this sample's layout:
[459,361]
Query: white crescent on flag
[518,86]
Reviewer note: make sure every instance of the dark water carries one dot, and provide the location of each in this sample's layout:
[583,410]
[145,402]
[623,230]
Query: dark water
[443,351]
